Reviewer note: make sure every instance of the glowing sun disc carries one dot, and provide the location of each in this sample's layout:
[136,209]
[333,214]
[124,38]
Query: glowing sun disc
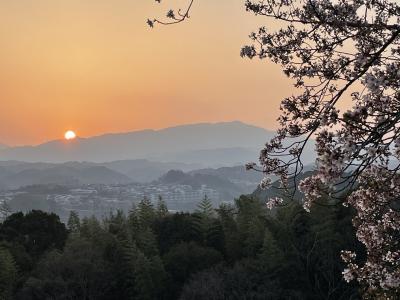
[70,135]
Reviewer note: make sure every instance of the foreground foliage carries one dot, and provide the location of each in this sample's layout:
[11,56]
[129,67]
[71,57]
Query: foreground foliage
[240,251]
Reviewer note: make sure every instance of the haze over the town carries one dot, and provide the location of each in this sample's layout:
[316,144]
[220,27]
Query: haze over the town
[95,67]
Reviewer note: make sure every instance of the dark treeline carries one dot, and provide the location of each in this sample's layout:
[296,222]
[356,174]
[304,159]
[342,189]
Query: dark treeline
[240,251]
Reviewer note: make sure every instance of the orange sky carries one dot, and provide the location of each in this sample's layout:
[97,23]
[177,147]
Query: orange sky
[95,67]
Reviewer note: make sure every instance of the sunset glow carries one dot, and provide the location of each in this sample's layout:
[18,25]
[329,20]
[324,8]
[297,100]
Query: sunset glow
[69,135]
[109,60]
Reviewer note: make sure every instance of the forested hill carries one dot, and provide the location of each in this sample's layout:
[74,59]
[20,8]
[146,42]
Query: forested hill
[233,252]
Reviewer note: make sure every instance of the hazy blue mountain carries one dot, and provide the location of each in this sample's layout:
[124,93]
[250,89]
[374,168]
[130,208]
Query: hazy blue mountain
[5,172]
[17,166]
[142,170]
[214,157]
[60,174]
[235,174]
[139,170]
[222,143]
[3,146]
[230,181]
[246,180]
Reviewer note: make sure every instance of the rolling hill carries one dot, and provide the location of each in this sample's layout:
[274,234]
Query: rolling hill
[60,174]
[137,170]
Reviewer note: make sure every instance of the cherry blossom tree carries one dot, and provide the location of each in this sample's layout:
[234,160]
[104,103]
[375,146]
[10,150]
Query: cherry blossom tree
[339,53]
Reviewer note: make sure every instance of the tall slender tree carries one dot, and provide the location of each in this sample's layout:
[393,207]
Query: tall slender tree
[162,209]
[8,274]
[74,223]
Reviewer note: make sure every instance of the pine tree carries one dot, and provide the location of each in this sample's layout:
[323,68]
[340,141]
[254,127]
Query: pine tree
[133,220]
[159,276]
[145,276]
[129,257]
[145,212]
[74,223]
[250,224]
[91,228]
[253,236]
[8,274]
[232,246]
[203,220]
[117,224]
[146,241]
[143,280]
[162,209]
[205,208]
[271,255]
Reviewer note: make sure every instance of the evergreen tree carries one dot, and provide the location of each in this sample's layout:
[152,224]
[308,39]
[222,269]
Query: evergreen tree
[144,277]
[127,269]
[271,254]
[162,209]
[74,223]
[117,224]
[159,277]
[251,224]
[8,274]
[203,221]
[147,243]
[253,236]
[232,245]
[90,227]
[186,259]
[205,208]
[133,220]
[145,213]
[144,285]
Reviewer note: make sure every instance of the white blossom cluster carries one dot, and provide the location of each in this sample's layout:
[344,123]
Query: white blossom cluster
[274,202]
[265,183]
[378,228]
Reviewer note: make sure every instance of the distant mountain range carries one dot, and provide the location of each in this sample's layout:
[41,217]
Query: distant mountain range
[229,181]
[208,144]
[14,174]
[203,153]
[62,175]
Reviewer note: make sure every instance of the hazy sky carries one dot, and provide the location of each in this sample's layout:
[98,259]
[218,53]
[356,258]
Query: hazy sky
[94,66]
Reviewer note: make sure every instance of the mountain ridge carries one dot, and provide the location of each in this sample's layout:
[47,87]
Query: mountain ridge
[60,174]
[165,145]
[140,170]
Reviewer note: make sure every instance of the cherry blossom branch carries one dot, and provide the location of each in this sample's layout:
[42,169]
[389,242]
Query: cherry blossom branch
[180,17]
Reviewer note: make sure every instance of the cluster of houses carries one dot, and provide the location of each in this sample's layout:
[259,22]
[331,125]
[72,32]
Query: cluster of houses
[100,200]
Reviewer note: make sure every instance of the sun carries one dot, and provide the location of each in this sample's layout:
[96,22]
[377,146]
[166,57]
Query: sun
[70,135]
